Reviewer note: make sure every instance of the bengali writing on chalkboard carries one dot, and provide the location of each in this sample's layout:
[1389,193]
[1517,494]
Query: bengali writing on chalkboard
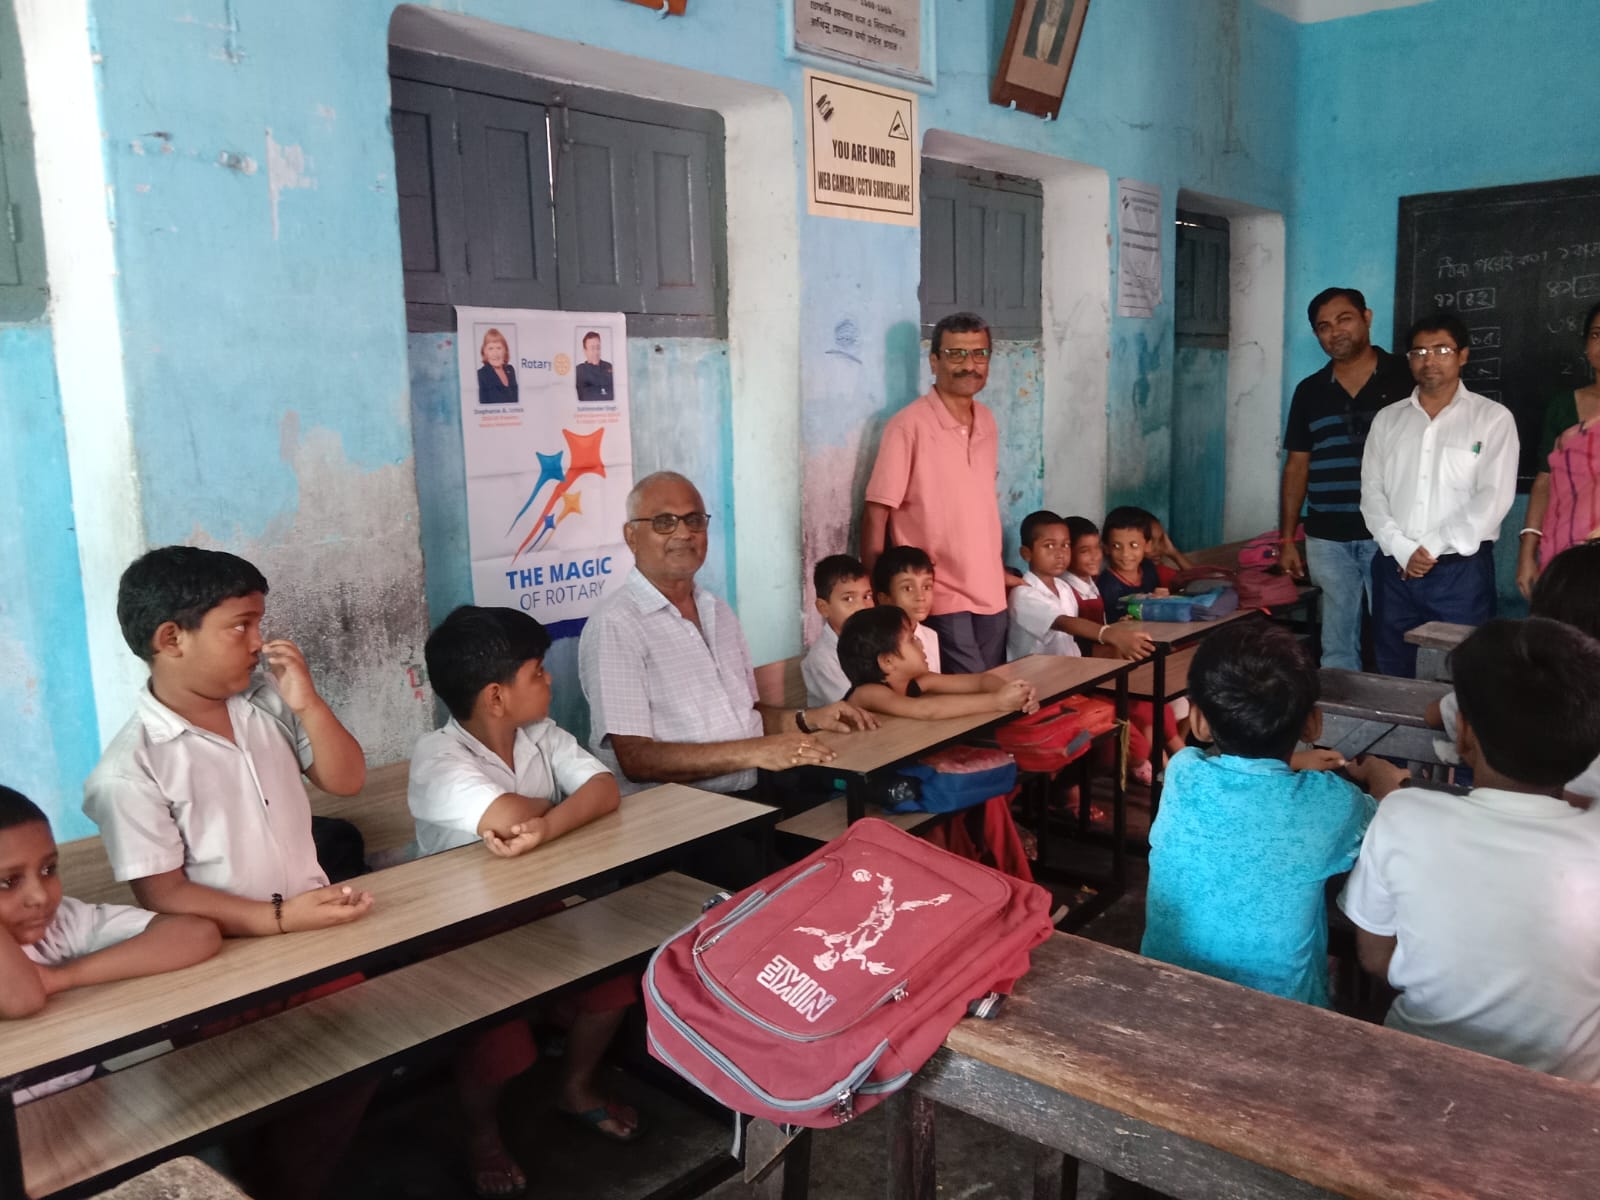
[1520,266]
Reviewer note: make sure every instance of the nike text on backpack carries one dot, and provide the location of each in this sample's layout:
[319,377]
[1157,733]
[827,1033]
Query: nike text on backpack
[811,996]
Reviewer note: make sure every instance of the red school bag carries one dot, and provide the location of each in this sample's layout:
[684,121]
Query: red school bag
[1058,734]
[809,997]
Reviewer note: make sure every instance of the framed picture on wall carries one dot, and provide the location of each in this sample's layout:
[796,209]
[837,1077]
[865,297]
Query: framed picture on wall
[674,7]
[1040,46]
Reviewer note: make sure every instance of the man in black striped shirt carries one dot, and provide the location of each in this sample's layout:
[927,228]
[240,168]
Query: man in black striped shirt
[1329,417]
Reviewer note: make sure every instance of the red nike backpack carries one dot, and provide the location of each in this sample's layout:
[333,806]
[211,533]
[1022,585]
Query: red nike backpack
[1058,734]
[809,997]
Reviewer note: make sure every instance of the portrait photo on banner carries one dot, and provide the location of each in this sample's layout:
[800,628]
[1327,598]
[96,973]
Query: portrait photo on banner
[548,459]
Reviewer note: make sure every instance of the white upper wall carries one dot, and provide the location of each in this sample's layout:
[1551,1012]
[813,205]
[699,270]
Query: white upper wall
[1308,11]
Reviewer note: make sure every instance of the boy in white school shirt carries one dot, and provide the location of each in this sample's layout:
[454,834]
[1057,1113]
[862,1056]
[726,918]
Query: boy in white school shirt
[200,802]
[501,771]
[1483,910]
[843,587]
[1044,610]
[50,942]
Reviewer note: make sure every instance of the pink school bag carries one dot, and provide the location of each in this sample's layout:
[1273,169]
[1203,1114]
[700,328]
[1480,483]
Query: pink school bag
[809,997]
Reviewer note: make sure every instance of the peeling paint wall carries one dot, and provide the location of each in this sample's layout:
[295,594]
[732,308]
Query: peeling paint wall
[278,407]
[260,294]
[47,721]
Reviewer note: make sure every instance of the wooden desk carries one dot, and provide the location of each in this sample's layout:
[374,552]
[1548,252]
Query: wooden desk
[1434,641]
[1169,636]
[899,738]
[1141,680]
[1199,1088]
[1380,714]
[444,896]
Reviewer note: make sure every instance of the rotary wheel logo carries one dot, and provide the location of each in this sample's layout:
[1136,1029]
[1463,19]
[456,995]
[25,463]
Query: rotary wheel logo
[562,364]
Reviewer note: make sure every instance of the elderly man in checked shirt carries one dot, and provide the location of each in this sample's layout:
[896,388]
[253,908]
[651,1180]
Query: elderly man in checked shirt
[665,668]
[1438,475]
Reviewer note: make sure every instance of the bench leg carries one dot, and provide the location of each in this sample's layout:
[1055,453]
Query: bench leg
[10,1152]
[1055,1175]
[911,1143]
[789,1175]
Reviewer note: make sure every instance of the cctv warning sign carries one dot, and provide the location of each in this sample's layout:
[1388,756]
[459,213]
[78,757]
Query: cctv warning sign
[862,150]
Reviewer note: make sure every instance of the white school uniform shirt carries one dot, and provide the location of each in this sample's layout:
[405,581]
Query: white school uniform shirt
[1494,899]
[1034,608]
[78,929]
[1083,589]
[1444,484]
[454,778]
[234,815]
[647,671]
[930,646]
[826,682]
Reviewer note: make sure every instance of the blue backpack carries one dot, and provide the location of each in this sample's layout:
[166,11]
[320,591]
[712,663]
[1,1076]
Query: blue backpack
[955,778]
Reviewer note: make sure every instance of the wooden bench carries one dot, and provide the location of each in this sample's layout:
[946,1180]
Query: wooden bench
[1434,641]
[1380,714]
[124,1121]
[378,810]
[1199,1088]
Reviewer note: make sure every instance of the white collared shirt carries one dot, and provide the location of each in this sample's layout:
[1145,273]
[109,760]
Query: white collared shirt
[826,682]
[647,672]
[234,815]
[930,646]
[78,929]
[1035,606]
[1494,901]
[1444,484]
[454,778]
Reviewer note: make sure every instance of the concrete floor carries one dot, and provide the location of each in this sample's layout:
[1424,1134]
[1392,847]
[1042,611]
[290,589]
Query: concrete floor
[407,1149]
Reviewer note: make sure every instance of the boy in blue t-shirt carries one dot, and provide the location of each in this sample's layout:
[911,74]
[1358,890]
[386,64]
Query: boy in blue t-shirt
[1243,846]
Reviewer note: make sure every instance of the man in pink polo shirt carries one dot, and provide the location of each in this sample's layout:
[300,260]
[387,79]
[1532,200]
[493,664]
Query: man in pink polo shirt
[935,486]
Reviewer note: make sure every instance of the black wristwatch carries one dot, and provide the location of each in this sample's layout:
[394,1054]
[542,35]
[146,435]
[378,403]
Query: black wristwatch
[800,721]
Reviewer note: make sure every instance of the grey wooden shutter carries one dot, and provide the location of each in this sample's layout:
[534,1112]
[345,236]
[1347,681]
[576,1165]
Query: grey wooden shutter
[433,248]
[505,183]
[22,266]
[1200,281]
[981,248]
[598,263]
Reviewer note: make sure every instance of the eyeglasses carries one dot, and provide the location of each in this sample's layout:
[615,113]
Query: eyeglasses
[695,522]
[1420,353]
[954,355]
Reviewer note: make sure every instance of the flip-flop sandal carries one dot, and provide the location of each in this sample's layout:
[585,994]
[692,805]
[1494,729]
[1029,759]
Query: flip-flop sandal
[496,1176]
[594,1119]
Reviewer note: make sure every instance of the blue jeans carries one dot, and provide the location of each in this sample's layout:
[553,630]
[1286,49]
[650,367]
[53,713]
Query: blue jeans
[1343,570]
[1459,590]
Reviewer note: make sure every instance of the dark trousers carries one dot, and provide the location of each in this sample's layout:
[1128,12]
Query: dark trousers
[1459,589]
[969,642]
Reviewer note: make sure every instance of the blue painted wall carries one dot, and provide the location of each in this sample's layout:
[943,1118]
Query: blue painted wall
[279,408]
[47,717]
[1392,104]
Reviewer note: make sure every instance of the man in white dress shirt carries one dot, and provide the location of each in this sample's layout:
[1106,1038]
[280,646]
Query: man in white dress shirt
[1438,476]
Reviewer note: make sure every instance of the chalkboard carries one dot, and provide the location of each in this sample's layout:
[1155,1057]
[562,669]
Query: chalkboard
[1520,265]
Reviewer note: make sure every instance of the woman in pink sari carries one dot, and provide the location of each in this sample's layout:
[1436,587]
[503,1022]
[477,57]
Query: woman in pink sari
[1564,505]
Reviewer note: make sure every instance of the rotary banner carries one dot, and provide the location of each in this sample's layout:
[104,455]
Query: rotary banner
[549,459]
